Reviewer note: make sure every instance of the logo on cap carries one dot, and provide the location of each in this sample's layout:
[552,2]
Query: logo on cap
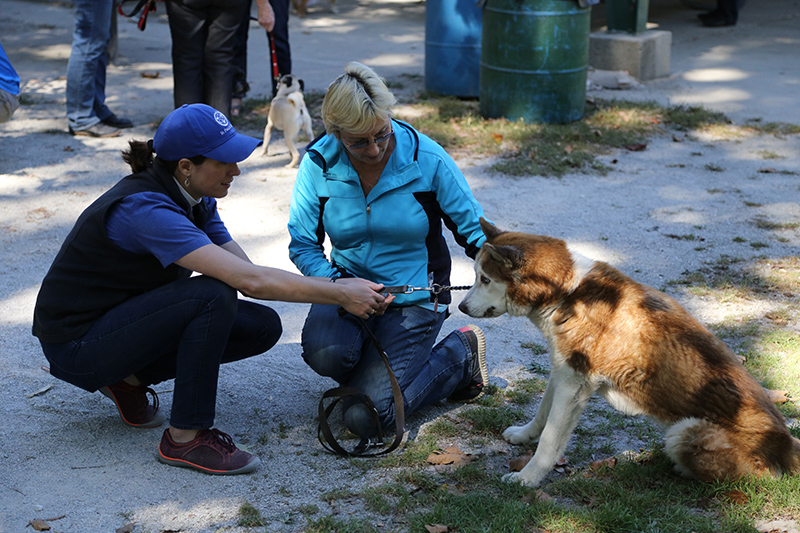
[221,119]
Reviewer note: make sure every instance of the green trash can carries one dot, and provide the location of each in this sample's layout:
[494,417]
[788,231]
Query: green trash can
[534,60]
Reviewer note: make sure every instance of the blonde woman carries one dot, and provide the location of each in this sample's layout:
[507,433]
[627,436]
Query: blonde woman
[380,190]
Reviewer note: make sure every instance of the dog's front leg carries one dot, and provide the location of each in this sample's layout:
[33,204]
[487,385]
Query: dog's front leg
[571,393]
[530,432]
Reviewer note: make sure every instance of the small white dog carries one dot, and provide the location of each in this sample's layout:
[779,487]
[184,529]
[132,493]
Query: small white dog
[288,113]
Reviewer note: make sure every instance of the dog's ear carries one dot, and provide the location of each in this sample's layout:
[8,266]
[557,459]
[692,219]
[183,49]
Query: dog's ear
[302,85]
[509,257]
[489,229]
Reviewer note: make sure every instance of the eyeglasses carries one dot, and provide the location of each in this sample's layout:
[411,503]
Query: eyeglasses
[377,140]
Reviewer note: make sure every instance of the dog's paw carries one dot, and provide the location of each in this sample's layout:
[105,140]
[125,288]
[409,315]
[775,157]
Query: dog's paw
[516,477]
[516,435]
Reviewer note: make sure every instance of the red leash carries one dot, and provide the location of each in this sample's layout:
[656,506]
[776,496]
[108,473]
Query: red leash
[146,6]
[275,75]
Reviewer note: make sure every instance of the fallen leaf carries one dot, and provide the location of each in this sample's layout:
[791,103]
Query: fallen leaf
[39,525]
[498,138]
[127,528]
[678,138]
[450,456]
[69,149]
[40,213]
[636,147]
[778,396]
[518,463]
[736,496]
[151,75]
[437,528]
[609,462]
[767,170]
[39,392]
[542,496]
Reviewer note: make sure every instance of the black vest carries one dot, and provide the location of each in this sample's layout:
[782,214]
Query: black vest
[91,275]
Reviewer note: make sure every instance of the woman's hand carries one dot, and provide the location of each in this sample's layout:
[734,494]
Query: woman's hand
[363,298]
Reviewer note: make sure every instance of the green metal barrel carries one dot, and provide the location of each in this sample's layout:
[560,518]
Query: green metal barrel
[534,60]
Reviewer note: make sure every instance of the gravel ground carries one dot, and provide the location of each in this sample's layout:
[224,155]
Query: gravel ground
[65,455]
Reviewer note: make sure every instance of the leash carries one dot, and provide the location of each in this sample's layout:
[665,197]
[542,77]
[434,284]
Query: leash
[435,289]
[275,74]
[145,6]
[276,77]
[324,433]
[323,430]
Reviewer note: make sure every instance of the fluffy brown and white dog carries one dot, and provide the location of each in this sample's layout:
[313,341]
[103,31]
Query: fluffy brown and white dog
[637,348]
[288,113]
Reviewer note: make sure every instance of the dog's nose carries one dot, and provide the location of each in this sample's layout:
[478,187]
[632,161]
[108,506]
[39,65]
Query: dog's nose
[463,308]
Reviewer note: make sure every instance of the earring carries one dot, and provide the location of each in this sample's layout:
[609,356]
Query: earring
[186,182]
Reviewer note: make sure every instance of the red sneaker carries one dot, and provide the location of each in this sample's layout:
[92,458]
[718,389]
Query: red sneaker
[476,341]
[134,407]
[211,452]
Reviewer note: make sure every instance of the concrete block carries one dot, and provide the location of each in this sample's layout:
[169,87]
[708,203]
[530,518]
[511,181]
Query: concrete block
[645,55]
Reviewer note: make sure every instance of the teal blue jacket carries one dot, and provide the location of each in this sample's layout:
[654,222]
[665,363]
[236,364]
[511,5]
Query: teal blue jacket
[394,235]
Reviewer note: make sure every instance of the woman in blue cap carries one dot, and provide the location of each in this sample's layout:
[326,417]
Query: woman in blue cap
[119,310]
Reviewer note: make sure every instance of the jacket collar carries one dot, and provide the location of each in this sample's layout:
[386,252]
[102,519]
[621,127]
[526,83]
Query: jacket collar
[327,152]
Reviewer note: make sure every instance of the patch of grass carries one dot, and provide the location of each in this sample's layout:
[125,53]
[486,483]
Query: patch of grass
[518,397]
[531,385]
[335,524]
[539,369]
[686,237]
[249,516]
[412,454]
[763,223]
[442,428]
[551,149]
[336,494]
[535,348]
[492,421]
[773,356]
[777,129]
[768,154]
[376,501]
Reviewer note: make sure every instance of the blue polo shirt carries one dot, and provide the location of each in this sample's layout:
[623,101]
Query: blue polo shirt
[151,223]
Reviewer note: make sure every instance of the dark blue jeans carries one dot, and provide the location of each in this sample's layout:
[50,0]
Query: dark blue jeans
[339,348]
[183,331]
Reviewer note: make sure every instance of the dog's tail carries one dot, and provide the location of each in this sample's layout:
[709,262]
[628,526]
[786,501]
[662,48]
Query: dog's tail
[701,449]
[709,452]
[296,99]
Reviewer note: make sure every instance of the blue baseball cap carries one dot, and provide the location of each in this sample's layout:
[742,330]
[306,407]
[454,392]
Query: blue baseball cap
[198,129]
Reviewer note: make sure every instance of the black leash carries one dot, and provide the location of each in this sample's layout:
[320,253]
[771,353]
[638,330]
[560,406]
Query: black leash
[329,442]
[324,433]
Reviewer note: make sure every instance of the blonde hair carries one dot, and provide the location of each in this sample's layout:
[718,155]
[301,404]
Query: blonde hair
[356,101]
